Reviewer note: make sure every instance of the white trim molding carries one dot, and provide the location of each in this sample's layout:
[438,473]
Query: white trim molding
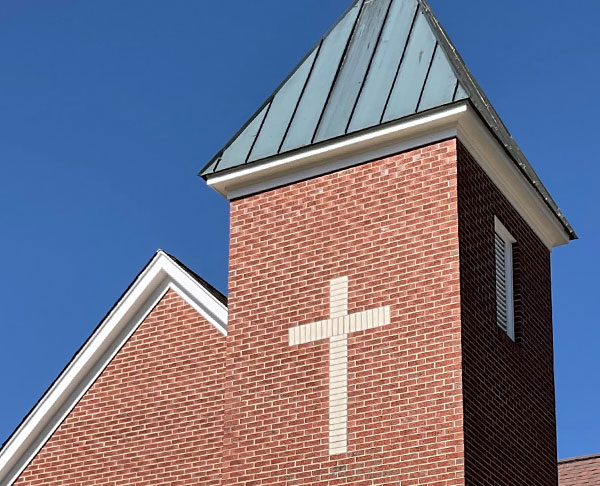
[459,120]
[161,274]
[339,153]
[503,172]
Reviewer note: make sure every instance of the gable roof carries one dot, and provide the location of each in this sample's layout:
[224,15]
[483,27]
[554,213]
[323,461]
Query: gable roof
[161,274]
[383,61]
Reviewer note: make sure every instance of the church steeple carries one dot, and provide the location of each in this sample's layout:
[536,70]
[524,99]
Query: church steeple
[390,314]
[384,61]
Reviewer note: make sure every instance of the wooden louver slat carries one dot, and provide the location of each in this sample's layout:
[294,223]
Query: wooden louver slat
[501,287]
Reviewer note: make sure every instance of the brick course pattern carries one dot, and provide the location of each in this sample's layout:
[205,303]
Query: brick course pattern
[580,471]
[436,393]
[509,412]
[154,416]
[391,227]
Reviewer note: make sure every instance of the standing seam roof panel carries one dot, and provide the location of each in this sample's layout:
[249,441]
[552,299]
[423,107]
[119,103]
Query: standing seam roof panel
[353,70]
[237,153]
[282,108]
[461,93]
[313,100]
[440,85]
[382,73]
[413,71]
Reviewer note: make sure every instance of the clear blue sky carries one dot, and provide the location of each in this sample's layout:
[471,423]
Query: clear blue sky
[108,109]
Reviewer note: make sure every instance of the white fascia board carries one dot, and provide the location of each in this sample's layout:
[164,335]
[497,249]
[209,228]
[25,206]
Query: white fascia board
[458,120]
[338,154]
[511,182]
[160,275]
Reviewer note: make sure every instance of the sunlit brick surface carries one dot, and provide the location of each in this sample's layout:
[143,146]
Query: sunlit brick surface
[154,417]
[391,227]
[581,471]
[435,392]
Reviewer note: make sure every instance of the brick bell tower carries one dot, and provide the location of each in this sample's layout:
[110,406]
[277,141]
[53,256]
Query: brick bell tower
[390,317]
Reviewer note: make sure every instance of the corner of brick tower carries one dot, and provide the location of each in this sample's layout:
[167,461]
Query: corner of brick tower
[438,394]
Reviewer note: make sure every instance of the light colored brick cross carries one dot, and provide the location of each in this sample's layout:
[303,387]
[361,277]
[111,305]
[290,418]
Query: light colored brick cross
[336,329]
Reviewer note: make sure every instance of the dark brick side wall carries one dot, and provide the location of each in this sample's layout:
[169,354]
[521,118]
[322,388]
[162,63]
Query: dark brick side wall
[508,387]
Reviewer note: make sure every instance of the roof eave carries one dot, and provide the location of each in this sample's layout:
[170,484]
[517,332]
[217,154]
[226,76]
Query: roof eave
[449,121]
[477,98]
[490,116]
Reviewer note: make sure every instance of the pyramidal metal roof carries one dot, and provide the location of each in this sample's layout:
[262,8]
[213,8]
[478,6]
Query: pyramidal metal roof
[383,60]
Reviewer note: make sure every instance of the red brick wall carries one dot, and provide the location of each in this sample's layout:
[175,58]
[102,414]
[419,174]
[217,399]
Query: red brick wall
[391,227]
[510,429]
[580,471]
[153,417]
[181,404]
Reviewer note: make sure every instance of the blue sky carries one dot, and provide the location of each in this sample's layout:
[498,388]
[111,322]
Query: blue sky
[109,109]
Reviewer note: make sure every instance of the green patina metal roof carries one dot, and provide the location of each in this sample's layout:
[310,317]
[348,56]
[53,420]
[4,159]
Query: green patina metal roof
[384,60]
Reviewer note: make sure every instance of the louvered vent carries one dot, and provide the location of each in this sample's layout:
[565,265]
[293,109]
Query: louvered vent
[504,279]
[501,290]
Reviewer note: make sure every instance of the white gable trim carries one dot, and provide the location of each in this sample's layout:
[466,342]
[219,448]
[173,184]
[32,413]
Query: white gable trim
[160,275]
[459,120]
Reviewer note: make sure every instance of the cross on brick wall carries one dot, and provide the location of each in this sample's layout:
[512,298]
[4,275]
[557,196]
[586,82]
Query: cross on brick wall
[336,329]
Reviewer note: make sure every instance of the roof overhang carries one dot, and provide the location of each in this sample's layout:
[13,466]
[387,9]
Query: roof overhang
[459,120]
[162,274]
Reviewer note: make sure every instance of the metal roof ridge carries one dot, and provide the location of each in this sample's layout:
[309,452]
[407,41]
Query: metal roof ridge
[484,106]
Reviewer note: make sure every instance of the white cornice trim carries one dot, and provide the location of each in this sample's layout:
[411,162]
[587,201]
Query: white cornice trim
[459,120]
[486,150]
[160,275]
[337,154]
